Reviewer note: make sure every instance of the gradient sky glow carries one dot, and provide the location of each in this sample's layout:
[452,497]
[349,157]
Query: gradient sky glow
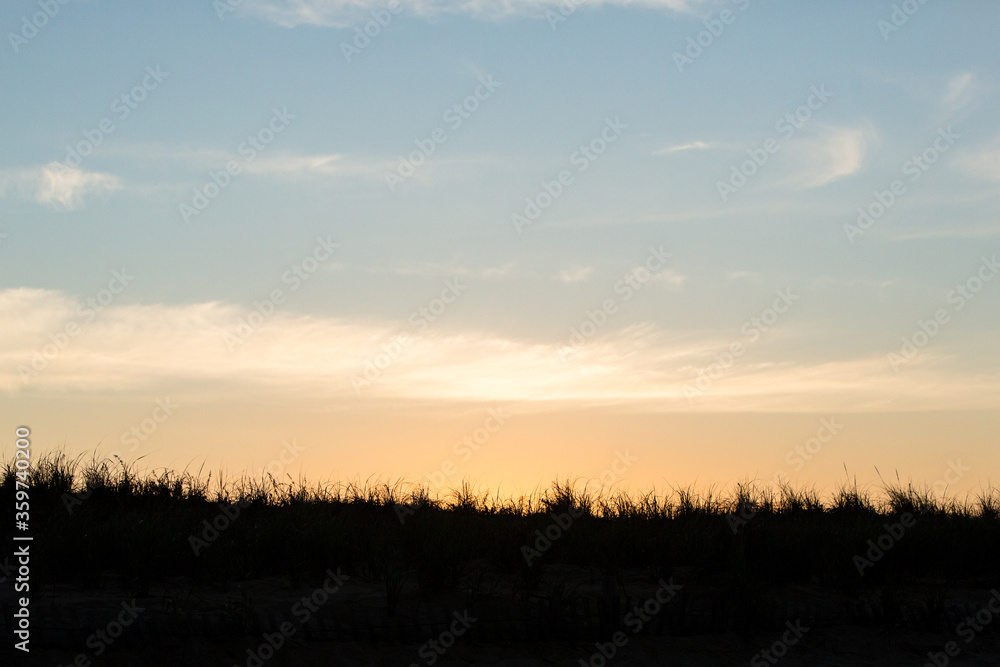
[624,225]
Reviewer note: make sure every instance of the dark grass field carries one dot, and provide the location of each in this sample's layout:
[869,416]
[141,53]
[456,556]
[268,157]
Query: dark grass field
[162,567]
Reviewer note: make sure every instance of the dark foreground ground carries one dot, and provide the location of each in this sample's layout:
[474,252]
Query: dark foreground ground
[341,620]
[829,649]
[166,568]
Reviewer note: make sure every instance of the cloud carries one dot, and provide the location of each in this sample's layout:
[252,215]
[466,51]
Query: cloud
[439,269]
[348,13]
[57,186]
[575,274]
[331,164]
[755,276]
[272,163]
[832,154]
[673,279]
[960,91]
[312,360]
[694,145]
[982,163]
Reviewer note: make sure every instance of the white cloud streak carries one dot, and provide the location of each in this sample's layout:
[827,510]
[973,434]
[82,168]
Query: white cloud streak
[57,186]
[832,154]
[690,146]
[982,163]
[277,163]
[304,359]
[960,91]
[347,13]
[575,274]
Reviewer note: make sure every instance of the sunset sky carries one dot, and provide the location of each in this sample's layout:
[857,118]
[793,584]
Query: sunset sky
[505,241]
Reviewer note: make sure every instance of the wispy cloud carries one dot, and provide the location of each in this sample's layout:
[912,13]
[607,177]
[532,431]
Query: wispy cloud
[307,358]
[960,91]
[832,154]
[673,279]
[276,163]
[755,276]
[445,270]
[981,162]
[345,13]
[332,164]
[575,274]
[57,186]
[691,146]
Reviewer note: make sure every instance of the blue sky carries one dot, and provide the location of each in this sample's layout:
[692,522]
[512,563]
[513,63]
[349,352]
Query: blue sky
[353,260]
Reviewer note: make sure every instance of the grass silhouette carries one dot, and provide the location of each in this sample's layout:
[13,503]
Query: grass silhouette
[97,516]
[226,559]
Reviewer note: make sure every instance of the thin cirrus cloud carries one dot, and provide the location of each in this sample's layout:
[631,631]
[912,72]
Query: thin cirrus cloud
[270,163]
[982,163]
[307,359]
[446,270]
[575,274]
[57,186]
[690,146]
[332,164]
[831,154]
[961,89]
[346,13]
[673,279]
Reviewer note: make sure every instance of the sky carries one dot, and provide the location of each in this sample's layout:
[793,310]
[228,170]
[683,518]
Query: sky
[639,244]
